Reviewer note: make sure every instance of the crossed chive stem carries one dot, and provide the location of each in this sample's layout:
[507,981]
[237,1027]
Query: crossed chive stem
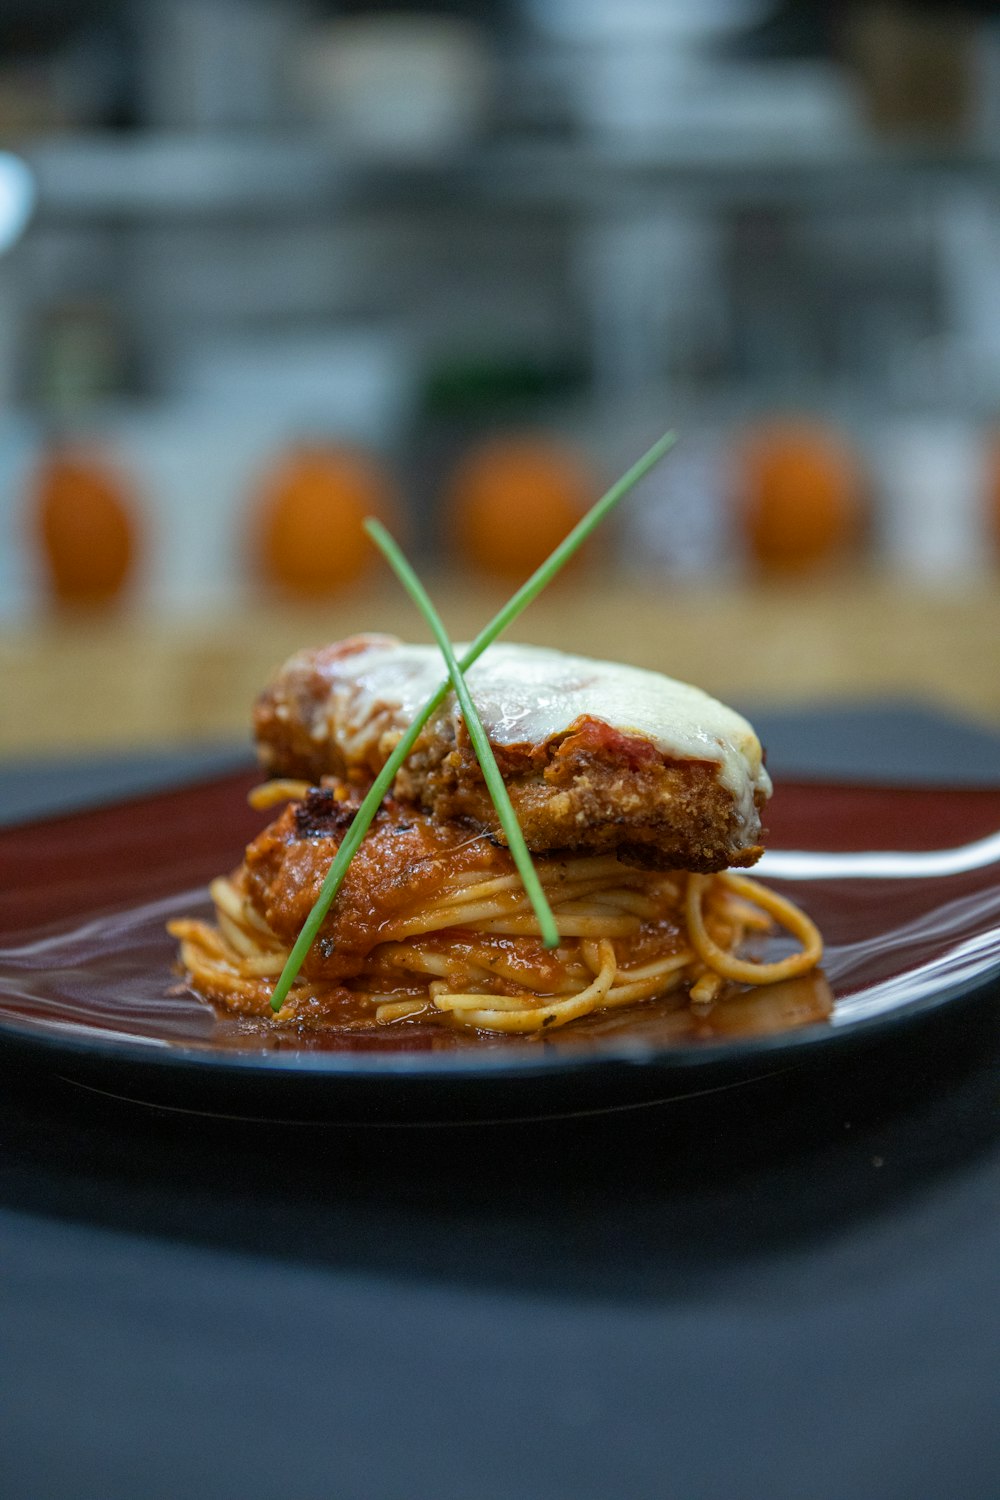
[505,617]
[520,854]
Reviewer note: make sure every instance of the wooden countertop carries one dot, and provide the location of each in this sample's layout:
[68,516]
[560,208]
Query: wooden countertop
[82,683]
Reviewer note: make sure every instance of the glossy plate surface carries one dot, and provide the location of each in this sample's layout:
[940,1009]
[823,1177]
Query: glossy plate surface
[905,884]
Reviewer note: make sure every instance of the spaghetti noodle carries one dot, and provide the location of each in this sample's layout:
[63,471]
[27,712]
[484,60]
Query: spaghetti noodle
[433,923]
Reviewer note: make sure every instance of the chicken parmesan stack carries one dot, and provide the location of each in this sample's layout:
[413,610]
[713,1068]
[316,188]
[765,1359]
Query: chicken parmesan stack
[637,796]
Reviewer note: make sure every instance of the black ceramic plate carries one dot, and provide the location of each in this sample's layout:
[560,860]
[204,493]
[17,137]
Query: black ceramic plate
[905,884]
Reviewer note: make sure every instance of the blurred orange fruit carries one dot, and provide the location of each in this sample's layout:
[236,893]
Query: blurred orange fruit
[511,500]
[993,494]
[84,521]
[309,535]
[799,493]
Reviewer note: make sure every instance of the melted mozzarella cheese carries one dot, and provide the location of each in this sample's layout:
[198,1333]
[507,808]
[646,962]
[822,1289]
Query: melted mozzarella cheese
[530,695]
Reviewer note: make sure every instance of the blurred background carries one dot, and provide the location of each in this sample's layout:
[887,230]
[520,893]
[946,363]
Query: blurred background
[267,266]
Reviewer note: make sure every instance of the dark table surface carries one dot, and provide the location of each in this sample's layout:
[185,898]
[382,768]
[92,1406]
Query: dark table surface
[787,1289]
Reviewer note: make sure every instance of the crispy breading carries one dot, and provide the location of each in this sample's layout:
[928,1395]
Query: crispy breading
[588,788]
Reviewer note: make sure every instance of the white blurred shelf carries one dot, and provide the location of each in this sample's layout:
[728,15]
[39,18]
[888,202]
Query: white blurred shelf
[147,175]
[110,175]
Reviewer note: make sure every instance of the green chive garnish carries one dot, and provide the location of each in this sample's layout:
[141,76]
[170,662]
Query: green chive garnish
[484,753]
[383,781]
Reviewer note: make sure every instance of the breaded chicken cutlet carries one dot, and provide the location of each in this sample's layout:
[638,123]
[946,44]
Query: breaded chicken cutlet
[597,757]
